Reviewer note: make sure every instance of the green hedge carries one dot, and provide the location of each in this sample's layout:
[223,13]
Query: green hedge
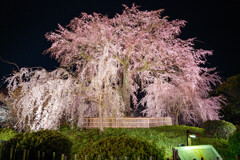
[120,147]
[218,128]
[234,143]
[47,141]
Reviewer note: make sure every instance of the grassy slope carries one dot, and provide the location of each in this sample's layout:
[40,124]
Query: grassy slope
[165,136]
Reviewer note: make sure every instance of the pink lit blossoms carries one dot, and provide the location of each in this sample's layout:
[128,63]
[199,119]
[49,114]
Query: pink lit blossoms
[112,59]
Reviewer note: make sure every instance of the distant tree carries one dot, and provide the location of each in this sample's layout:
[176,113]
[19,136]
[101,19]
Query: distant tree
[4,111]
[230,89]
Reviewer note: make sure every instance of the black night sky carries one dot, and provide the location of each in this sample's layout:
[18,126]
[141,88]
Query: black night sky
[23,24]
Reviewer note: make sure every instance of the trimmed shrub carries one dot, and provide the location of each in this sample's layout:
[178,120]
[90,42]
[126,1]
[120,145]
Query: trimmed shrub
[218,128]
[6,134]
[120,147]
[234,143]
[47,141]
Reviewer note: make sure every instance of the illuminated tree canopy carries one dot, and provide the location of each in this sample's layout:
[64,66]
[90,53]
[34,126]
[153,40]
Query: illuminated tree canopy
[108,61]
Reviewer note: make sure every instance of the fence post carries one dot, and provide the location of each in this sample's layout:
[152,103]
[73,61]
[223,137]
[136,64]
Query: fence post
[138,158]
[1,152]
[75,156]
[175,154]
[38,155]
[11,153]
[150,158]
[28,151]
[24,154]
[126,158]
[148,123]
[43,155]
[54,154]
[14,154]
[116,122]
[85,157]
[62,158]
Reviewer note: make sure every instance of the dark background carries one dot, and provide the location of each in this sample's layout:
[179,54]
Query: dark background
[23,24]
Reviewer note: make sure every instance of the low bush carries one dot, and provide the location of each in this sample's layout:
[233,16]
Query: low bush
[47,141]
[121,147]
[218,128]
[234,143]
[6,134]
[237,128]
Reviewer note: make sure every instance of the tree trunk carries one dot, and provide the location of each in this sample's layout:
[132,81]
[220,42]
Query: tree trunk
[100,112]
[176,119]
[125,91]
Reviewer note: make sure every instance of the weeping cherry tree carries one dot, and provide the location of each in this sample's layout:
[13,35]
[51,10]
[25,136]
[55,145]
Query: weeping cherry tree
[108,61]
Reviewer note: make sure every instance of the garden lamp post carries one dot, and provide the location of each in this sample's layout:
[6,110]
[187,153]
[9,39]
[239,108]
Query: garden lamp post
[191,135]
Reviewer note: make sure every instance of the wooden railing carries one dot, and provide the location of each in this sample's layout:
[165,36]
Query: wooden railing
[140,122]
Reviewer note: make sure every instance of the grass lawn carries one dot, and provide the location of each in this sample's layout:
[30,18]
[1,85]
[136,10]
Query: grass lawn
[165,136]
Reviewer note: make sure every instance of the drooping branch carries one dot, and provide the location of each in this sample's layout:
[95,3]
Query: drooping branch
[12,63]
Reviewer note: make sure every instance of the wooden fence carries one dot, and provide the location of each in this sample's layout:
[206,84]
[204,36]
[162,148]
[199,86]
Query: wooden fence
[90,122]
[13,155]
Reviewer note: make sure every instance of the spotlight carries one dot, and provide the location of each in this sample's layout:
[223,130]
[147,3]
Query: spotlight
[191,135]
